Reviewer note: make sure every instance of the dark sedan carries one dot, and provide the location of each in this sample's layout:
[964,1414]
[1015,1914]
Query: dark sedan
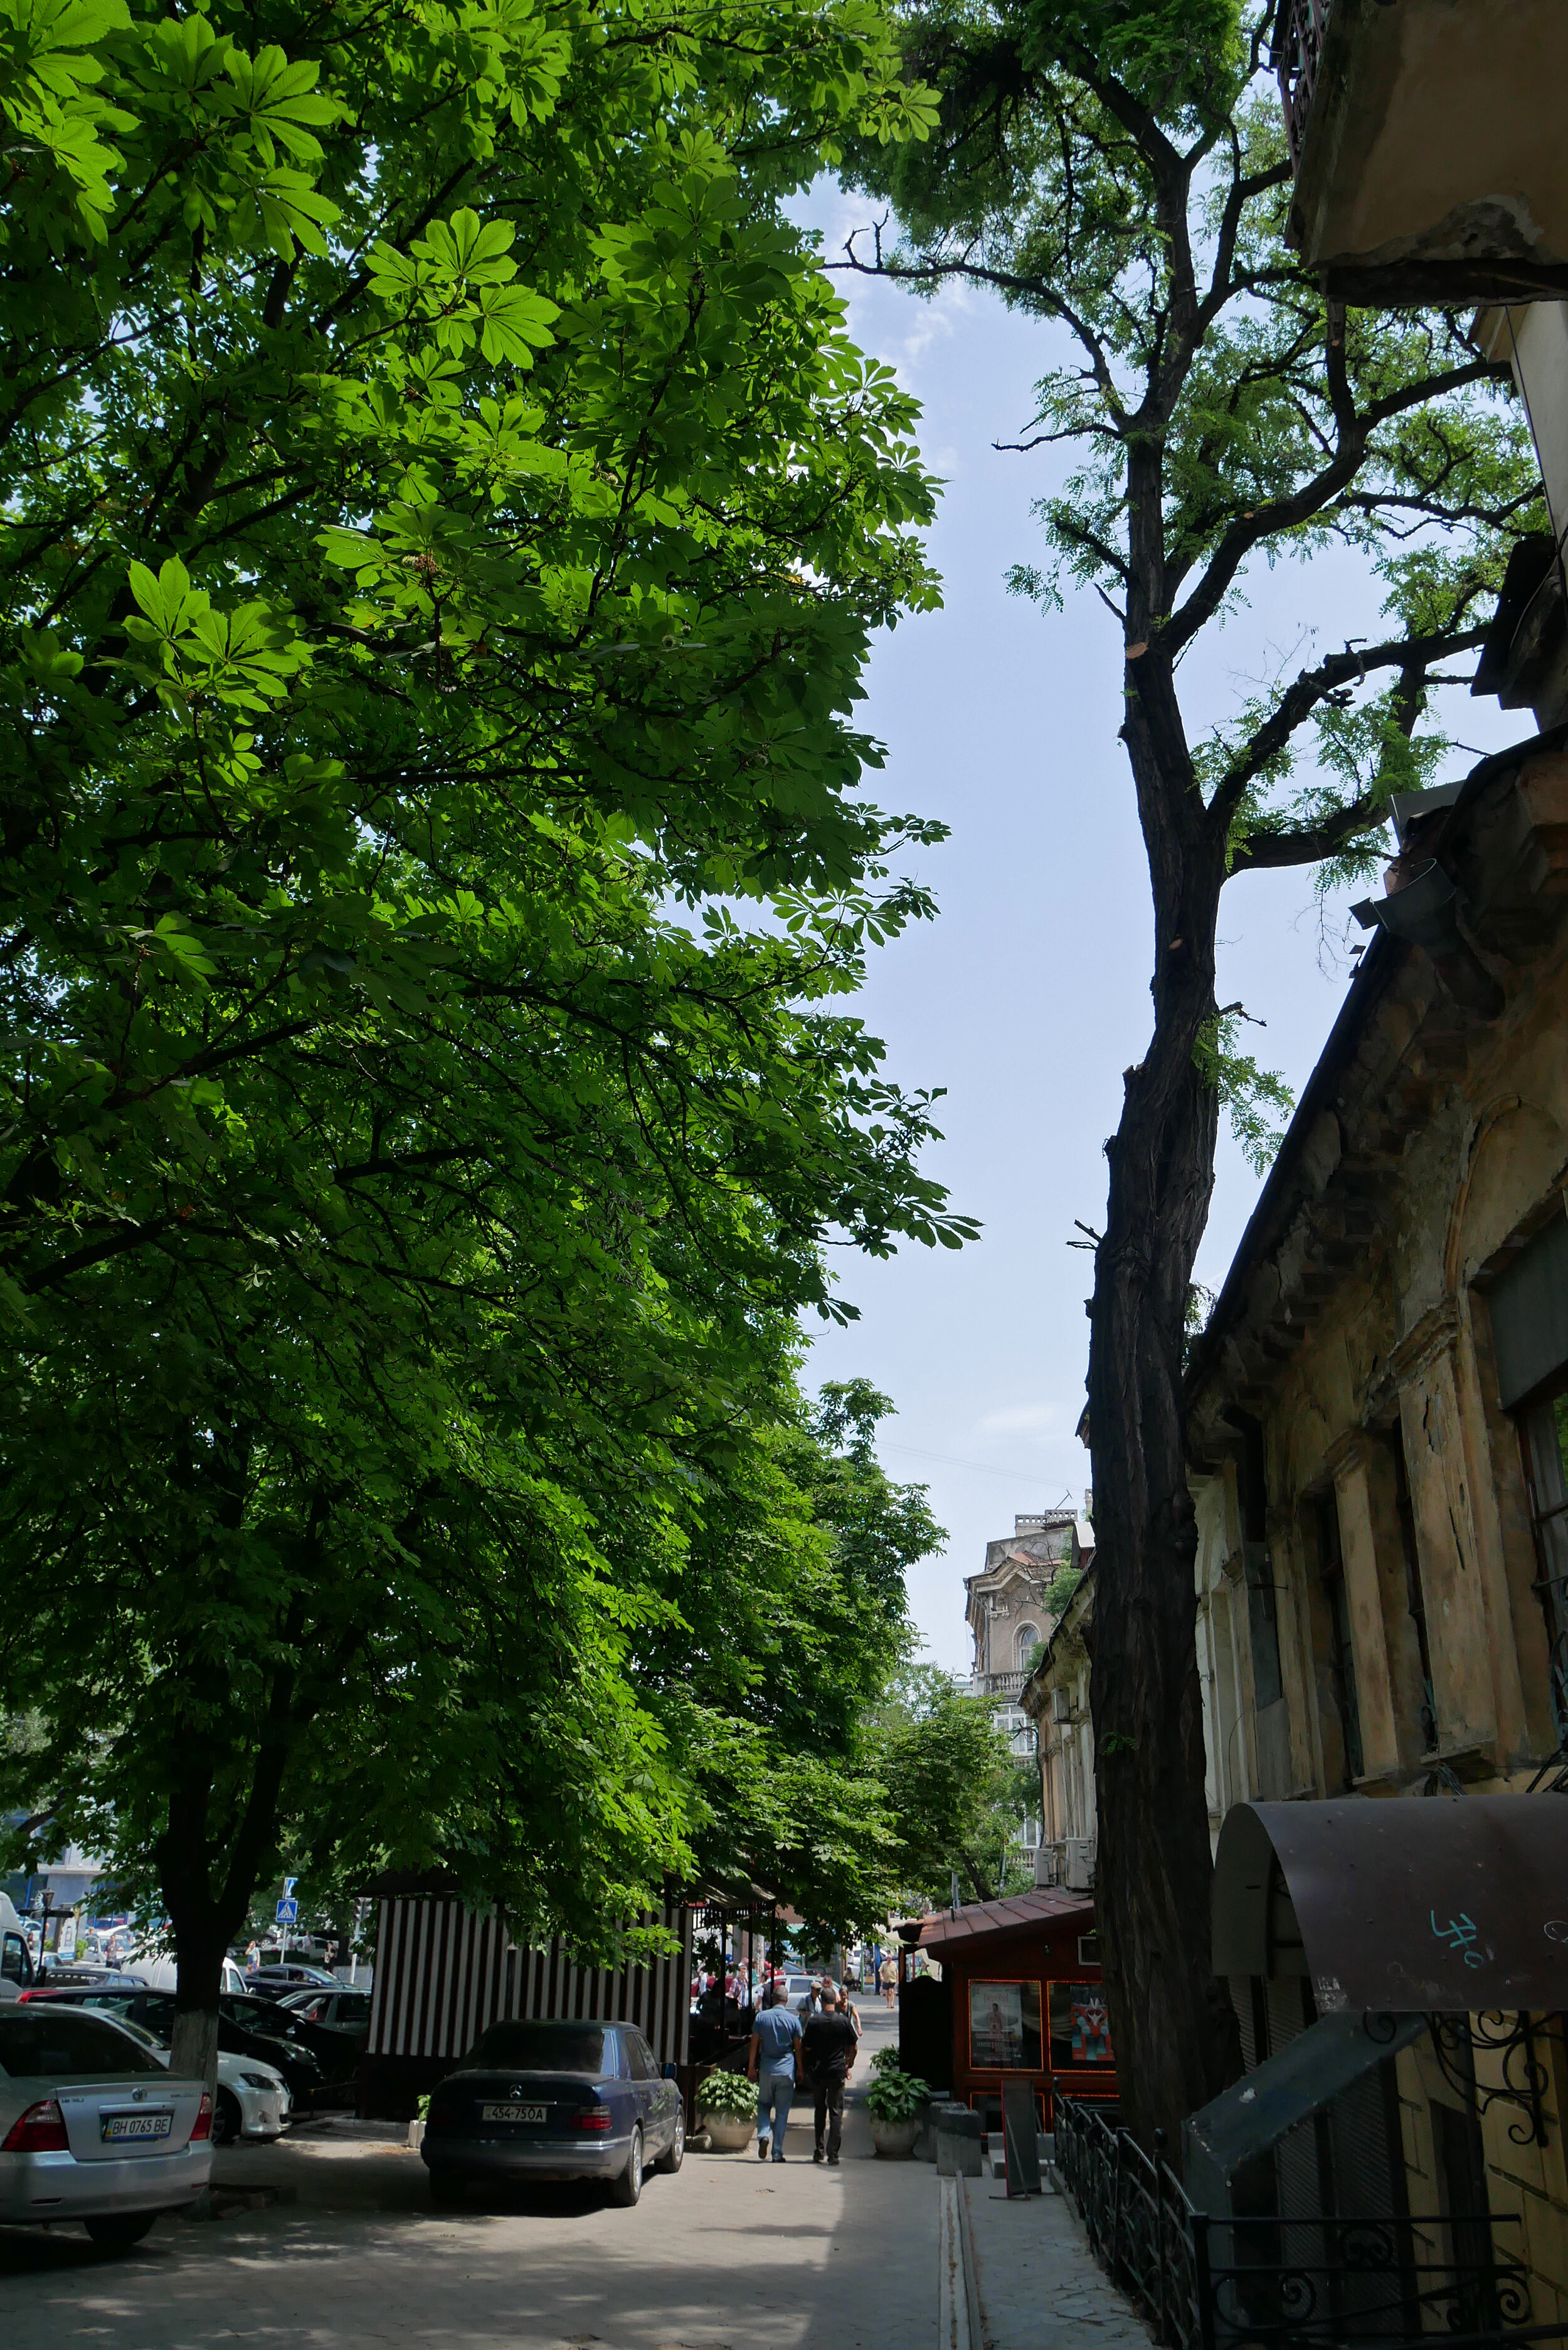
[154,2011]
[549,2100]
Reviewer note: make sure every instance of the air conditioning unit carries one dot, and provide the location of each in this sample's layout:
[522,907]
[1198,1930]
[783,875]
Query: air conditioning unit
[1048,1864]
[1078,1870]
[1060,1705]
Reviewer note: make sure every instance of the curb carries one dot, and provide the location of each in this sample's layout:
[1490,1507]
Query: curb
[961,2314]
[952,2301]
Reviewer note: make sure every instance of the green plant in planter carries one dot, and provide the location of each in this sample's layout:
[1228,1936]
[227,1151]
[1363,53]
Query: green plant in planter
[726,2093]
[896,2096]
[422,2110]
[885,2060]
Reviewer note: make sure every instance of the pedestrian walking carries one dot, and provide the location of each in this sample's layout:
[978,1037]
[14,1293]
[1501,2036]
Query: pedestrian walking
[770,2063]
[829,2046]
[890,1980]
[847,2006]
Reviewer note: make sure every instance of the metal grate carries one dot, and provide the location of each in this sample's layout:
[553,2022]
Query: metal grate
[1276,2284]
[1299,29]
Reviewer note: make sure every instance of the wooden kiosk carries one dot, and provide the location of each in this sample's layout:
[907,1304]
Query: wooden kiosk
[1020,1993]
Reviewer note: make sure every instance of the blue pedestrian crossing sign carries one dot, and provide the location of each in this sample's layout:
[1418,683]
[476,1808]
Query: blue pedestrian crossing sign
[287,1913]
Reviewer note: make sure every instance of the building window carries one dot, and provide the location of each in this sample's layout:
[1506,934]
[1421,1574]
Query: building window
[1414,1596]
[1544,1428]
[1342,1655]
[1028,1640]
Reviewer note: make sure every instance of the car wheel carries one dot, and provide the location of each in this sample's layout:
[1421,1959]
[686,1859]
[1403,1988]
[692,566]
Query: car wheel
[629,2186]
[227,2119]
[444,2189]
[118,2235]
[674,2154]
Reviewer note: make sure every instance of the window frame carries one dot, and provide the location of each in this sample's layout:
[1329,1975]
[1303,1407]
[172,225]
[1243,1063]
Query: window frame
[1342,1646]
[1093,2068]
[1554,1611]
[1022,1983]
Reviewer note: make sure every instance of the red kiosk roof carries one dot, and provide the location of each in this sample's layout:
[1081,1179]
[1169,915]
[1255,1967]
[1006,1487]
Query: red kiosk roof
[1046,1905]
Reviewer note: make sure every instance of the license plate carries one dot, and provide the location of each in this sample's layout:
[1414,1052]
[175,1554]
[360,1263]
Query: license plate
[513,2113]
[117,2126]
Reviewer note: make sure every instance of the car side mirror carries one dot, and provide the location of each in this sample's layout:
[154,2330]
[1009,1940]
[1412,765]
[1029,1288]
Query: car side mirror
[671,2073]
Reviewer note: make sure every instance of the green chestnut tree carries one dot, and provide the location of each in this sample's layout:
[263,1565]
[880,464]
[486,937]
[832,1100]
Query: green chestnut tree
[1116,170]
[443,521]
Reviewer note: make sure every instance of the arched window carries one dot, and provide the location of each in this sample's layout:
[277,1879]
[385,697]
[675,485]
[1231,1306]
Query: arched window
[1026,1638]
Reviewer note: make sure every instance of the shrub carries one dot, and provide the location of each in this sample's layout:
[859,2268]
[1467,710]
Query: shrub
[896,2096]
[726,2093]
[885,2060]
[422,2110]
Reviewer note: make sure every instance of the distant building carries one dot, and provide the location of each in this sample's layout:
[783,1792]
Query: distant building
[1005,1603]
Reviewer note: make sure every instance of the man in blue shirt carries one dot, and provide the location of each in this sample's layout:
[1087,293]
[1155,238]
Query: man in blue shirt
[770,2062]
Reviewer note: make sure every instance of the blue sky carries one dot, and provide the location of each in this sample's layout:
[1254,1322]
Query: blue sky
[1028,997]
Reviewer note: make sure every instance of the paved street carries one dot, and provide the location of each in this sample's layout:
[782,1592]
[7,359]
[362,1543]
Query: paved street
[728,2256]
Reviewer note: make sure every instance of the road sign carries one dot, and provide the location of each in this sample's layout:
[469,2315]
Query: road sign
[288,1885]
[287,1913]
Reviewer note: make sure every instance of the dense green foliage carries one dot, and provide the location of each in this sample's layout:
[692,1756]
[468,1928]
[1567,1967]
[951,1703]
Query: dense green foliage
[954,1791]
[442,524]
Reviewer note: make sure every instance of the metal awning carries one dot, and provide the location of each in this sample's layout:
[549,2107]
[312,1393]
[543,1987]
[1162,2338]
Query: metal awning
[1445,1906]
[1329,2057]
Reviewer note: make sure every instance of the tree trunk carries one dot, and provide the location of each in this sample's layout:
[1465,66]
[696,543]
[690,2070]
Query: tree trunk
[205,1916]
[1175,2036]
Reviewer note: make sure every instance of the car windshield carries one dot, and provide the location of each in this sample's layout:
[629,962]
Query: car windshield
[523,2048]
[62,2044]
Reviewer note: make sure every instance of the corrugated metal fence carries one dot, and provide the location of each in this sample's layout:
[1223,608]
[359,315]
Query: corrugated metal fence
[443,1973]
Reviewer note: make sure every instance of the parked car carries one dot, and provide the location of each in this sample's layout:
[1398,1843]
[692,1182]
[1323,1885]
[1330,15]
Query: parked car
[334,2011]
[54,1983]
[535,2100]
[290,1974]
[301,2069]
[155,1966]
[336,2052]
[93,2127]
[253,2099]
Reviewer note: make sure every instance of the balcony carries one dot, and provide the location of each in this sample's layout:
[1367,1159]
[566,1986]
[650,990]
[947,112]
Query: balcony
[997,1684]
[1426,141]
[1298,45]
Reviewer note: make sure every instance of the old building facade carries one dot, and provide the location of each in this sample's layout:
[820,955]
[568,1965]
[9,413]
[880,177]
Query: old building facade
[1004,1604]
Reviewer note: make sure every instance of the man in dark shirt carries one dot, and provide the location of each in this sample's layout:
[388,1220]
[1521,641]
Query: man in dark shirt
[828,2043]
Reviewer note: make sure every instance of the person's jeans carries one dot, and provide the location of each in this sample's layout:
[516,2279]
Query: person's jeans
[774,2090]
[830,2113]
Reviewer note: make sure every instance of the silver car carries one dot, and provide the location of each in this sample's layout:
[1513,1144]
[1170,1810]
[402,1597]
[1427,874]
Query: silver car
[93,2127]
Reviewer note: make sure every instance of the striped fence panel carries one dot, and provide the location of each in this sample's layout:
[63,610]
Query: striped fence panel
[444,1973]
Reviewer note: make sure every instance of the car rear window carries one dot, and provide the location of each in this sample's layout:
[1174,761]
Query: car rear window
[64,2044]
[539,2047]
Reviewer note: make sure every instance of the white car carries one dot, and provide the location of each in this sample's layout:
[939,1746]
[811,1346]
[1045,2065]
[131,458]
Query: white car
[92,2126]
[154,1965]
[253,2100]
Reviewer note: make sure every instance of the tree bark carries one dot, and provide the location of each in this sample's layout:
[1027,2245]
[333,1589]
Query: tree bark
[207,1916]
[1174,2032]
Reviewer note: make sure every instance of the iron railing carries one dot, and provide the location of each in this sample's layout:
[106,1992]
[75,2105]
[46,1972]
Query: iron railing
[1273,2284]
[1299,29]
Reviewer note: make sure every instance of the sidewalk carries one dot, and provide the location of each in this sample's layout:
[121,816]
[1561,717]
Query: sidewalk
[1030,2280]
[731,2255]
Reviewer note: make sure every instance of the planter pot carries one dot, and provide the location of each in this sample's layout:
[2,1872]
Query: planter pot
[727,2133]
[896,2140]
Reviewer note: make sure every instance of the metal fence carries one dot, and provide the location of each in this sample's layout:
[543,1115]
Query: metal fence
[1299,29]
[1273,2284]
